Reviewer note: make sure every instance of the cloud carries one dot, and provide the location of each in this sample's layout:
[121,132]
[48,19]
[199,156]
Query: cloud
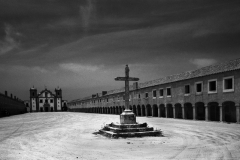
[78,68]
[202,32]
[35,69]
[32,50]
[85,13]
[21,69]
[201,62]
[9,42]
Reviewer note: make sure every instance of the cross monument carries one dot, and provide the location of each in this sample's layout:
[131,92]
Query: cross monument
[127,117]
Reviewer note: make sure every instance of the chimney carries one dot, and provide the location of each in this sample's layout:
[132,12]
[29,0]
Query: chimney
[6,94]
[104,93]
[11,96]
[135,85]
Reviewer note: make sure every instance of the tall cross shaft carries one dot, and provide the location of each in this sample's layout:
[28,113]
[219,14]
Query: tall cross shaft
[126,79]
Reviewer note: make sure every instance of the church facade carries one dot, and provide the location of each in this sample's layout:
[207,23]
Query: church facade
[45,101]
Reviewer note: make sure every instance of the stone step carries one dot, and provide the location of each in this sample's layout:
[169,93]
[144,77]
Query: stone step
[130,134]
[128,125]
[123,130]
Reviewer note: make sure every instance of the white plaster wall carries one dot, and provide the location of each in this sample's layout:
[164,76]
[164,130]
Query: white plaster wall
[49,101]
[59,100]
[33,104]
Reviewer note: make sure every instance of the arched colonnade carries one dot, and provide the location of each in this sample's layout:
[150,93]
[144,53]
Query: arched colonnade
[213,111]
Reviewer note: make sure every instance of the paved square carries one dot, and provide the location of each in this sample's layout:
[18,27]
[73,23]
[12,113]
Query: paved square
[69,136]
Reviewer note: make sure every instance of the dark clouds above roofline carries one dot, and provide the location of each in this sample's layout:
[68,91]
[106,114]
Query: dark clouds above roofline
[155,35]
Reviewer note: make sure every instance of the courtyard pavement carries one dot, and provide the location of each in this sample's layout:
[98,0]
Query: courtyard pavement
[67,136]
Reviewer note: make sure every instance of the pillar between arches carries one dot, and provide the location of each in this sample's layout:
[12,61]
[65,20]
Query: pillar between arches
[222,113]
[238,113]
[183,111]
[137,114]
[206,113]
[159,111]
[194,112]
[146,111]
[174,111]
[152,111]
[166,111]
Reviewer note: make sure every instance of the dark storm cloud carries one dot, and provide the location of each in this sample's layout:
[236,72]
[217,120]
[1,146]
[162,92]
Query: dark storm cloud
[54,39]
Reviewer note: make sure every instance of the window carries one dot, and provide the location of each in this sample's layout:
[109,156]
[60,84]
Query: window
[228,84]
[199,87]
[146,95]
[41,101]
[212,86]
[32,93]
[46,101]
[51,100]
[139,96]
[154,94]
[161,93]
[169,92]
[187,89]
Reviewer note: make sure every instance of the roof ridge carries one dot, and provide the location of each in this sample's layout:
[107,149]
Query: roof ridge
[193,73]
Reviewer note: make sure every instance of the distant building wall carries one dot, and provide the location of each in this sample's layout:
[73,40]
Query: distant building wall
[10,106]
[211,93]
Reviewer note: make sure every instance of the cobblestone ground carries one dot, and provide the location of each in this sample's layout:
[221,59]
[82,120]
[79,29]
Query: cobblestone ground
[70,136]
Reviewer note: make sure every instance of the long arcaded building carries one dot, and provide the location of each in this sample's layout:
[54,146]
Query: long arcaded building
[210,93]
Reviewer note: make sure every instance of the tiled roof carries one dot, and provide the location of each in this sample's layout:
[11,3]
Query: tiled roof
[209,70]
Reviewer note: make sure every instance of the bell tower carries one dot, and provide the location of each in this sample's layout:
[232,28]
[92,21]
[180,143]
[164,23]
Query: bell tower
[58,106]
[58,92]
[33,99]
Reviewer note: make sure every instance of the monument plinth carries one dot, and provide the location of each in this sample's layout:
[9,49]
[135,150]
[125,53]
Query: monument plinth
[128,126]
[128,117]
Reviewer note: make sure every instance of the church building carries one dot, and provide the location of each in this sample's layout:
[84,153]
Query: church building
[45,101]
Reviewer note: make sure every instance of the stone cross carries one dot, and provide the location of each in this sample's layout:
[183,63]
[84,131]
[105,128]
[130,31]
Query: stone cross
[126,79]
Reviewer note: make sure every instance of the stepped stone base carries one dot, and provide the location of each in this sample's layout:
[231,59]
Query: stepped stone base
[128,130]
[127,117]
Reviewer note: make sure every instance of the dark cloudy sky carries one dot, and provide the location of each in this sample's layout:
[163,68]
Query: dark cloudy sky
[82,45]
